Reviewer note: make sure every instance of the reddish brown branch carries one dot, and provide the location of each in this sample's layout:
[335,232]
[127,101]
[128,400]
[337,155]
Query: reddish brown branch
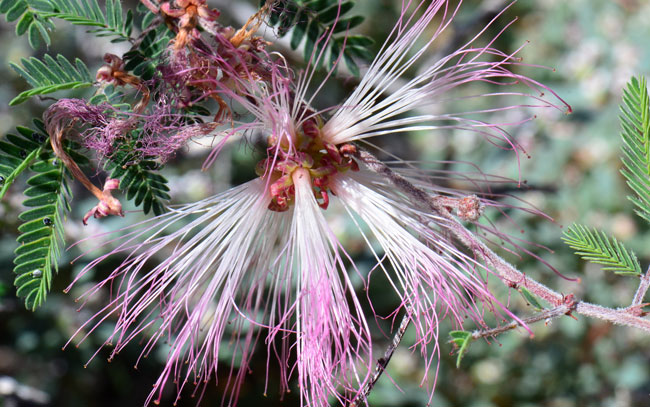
[546,314]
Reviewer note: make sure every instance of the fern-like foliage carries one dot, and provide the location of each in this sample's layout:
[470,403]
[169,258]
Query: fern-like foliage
[141,181]
[47,196]
[17,152]
[42,230]
[144,61]
[88,13]
[597,247]
[35,18]
[51,75]
[311,20]
[635,124]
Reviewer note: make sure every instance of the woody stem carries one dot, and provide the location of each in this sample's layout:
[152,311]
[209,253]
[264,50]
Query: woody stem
[382,362]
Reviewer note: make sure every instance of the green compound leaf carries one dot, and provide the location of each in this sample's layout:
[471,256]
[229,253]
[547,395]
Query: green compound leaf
[34,18]
[88,13]
[18,151]
[41,232]
[51,75]
[312,22]
[461,340]
[635,132]
[144,60]
[140,181]
[597,247]
[47,198]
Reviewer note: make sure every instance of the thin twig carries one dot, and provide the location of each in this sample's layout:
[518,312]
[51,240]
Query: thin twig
[644,284]
[382,362]
[548,313]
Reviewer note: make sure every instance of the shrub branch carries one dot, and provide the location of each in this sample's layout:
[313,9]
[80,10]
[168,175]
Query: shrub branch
[631,316]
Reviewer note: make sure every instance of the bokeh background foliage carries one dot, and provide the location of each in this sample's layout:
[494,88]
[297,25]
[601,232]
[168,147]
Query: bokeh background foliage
[593,46]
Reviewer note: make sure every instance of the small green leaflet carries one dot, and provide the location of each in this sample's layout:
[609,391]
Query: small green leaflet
[462,340]
[530,298]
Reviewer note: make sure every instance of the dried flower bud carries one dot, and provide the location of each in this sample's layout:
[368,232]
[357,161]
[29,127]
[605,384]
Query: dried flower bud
[469,208]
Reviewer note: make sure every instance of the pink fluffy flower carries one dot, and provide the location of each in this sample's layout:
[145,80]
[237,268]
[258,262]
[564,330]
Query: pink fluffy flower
[259,264]
[234,269]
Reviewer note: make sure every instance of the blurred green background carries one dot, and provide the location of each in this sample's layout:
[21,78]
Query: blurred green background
[593,48]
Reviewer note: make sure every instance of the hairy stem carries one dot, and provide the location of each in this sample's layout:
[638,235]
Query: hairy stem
[619,316]
[644,284]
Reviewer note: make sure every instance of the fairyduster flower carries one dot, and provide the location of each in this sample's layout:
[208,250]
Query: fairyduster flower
[231,272]
[260,261]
